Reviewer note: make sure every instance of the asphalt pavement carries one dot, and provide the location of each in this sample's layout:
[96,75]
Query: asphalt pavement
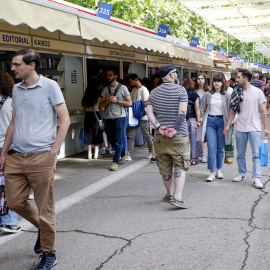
[118,221]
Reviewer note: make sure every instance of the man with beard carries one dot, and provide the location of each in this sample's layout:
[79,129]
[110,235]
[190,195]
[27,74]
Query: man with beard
[166,110]
[249,102]
[116,97]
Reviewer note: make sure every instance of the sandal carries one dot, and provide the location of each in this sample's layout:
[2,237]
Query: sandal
[193,162]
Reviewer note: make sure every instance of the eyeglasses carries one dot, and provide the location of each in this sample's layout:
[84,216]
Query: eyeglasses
[174,72]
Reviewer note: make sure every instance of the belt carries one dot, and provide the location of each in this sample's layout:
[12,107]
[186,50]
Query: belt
[12,151]
[215,116]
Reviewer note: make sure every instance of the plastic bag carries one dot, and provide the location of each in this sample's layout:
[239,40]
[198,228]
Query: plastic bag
[264,153]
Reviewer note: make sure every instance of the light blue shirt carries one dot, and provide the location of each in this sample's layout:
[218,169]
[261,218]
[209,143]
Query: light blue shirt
[35,121]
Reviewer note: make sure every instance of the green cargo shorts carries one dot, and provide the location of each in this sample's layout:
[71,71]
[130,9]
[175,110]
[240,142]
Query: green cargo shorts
[172,153]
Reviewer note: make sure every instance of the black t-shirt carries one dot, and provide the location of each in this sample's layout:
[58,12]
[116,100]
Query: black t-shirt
[192,97]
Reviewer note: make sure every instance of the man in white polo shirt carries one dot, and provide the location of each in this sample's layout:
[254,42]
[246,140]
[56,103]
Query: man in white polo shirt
[249,102]
[36,103]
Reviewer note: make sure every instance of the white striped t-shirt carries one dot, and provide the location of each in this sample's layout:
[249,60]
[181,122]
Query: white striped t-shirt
[165,101]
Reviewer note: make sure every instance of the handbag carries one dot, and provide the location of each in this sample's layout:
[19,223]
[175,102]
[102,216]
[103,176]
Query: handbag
[3,201]
[100,123]
[264,153]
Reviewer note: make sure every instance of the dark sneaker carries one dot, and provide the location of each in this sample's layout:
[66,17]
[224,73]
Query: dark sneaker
[180,204]
[47,261]
[37,247]
[153,160]
[168,198]
[10,228]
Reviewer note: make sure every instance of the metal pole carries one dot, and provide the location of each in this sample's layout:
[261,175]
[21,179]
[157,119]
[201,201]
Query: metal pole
[96,3]
[205,37]
[253,54]
[156,18]
[227,44]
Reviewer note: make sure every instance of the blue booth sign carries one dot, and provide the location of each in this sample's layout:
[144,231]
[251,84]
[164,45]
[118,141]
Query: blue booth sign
[222,52]
[194,42]
[210,47]
[231,54]
[238,57]
[163,30]
[246,60]
[256,63]
[105,11]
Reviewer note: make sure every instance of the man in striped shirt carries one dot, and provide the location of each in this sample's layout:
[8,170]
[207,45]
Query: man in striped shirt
[166,110]
[256,82]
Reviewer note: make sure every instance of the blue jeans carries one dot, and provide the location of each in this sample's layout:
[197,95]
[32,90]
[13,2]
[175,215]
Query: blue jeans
[215,143]
[9,219]
[116,130]
[241,145]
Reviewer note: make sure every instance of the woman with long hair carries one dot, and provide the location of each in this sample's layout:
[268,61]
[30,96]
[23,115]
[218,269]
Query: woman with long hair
[8,223]
[193,117]
[215,113]
[90,103]
[201,87]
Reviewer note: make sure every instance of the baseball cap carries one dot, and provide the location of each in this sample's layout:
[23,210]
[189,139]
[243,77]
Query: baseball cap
[163,71]
[256,75]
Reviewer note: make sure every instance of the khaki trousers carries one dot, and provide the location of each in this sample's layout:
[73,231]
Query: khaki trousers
[36,171]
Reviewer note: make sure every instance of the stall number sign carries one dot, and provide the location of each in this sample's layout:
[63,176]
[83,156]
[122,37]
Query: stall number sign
[163,30]
[194,42]
[105,11]
[222,52]
[246,60]
[210,47]
[256,63]
[231,54]
[238,57]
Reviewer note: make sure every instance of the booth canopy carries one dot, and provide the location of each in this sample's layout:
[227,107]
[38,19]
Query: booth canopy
[77,21]
[17,12]
[91,29]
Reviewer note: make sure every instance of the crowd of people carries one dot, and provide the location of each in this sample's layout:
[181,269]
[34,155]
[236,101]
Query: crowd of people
[177,122]
[207,113]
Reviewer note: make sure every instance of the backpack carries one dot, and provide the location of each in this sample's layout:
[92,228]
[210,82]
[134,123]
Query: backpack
[190,107]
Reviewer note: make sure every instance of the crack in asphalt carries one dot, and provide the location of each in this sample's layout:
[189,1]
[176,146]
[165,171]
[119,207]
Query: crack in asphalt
[253,226]
[213,218]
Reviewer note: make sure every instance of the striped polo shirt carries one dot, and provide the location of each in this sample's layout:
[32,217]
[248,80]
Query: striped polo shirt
[256,83]
[165,101]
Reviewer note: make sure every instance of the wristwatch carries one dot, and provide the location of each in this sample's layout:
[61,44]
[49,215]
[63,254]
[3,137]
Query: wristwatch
[117,100]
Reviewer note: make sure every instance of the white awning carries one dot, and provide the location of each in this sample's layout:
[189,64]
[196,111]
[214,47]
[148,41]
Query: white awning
[91,29]
[248,23]
[17,12]
[229,12]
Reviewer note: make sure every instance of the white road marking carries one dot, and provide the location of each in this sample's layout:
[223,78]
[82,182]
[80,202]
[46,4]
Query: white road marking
[82,194]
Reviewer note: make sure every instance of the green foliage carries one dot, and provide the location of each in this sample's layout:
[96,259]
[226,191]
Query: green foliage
[182,23]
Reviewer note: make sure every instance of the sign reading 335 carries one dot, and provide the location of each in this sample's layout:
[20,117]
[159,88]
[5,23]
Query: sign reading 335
[105,11]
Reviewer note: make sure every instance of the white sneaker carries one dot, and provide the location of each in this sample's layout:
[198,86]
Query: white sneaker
[149,155]
[203,159]
[210,178]
[257,183]
[239,177]
[129,157]
[219,174]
